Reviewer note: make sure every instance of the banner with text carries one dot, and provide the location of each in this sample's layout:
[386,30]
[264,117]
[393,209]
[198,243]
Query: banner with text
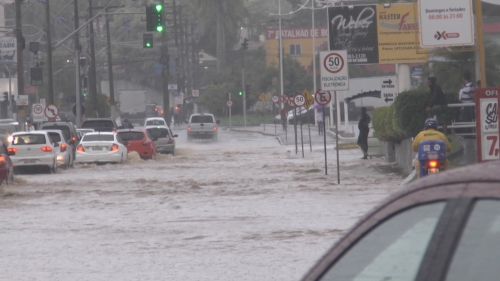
[375,34]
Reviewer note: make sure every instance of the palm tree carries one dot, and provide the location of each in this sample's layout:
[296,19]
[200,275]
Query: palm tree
[225,16]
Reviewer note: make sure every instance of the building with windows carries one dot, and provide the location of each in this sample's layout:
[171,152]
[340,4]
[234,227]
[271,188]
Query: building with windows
[297,43]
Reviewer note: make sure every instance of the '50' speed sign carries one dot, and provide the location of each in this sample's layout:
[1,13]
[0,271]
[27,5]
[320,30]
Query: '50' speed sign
[299,100]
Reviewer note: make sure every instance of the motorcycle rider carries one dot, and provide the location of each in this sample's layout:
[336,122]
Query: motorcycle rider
[430,133]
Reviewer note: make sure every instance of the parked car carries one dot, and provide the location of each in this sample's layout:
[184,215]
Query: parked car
[69,131]
[64,153]
[165,139]
[33,149]
[202,126]
[6,166]
[445,227]
[155,121]
[139,141]
[101,147]
[100,124]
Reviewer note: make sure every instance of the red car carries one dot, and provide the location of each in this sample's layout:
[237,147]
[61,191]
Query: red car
[139,141]
[6,167]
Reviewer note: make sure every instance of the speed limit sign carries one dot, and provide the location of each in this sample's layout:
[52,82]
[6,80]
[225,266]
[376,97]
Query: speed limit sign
[334,72]
[299,100]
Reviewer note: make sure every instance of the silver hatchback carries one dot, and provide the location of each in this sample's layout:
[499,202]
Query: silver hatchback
[165,139]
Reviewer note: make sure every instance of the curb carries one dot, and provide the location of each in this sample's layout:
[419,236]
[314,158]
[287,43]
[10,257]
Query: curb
[250,131]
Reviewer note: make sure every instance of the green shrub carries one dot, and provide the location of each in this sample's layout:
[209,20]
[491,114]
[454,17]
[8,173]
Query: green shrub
[405,118]
[379,128]
[410,112]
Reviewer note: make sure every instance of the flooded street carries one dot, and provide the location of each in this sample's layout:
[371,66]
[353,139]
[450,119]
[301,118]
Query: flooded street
[244,208]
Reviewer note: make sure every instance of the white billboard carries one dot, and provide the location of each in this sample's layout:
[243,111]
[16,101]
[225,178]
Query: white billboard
[8,48]
[445,23]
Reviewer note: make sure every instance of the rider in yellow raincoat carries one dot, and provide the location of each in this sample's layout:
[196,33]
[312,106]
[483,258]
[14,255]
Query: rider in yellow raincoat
[430,133]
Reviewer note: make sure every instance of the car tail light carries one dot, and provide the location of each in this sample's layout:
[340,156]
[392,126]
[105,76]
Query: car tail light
[170,140]
[146,142]
[215,128]
[80,148]
[2,159]
[12,150]
[63,147]
[73,138]
[46,148]
[189,128]
[433,163]
[115,147]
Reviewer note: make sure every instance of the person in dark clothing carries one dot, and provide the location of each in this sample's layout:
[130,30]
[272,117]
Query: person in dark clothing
[364,129]
[438,104]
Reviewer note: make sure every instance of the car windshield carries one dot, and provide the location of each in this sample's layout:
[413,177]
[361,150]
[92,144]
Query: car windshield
[155,122]
[202,119]
[64,130]
[131,135]
[55,137]
[98,124]
[98,137]
[158,132]
[29,139]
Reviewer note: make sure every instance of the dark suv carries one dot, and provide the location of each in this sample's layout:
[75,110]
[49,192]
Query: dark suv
[100,124]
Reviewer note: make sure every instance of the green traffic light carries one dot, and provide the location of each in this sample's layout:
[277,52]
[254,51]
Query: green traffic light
[159,7]
[84,94]
[159,28]
[148,44]
[240,93]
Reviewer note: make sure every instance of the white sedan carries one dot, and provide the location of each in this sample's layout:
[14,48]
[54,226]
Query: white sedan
[101,147]
[64,153]
[35,148]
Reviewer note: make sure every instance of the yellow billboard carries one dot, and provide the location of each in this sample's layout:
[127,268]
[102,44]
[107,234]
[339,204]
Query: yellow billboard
[397,25]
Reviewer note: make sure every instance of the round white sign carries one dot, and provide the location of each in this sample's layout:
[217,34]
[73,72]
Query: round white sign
[333,63]
[299,100]
[275,99]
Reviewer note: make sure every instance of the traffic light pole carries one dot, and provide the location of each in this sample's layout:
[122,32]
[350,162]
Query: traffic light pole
[164,61]
[110,71]
[92,77]
[20,65]
[51,97]
[78,93]
[243,87]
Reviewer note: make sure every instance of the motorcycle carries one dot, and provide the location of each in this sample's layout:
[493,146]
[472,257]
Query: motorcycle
[432,157]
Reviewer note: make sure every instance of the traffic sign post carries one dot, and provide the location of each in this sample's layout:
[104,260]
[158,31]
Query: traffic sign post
[334,71]
[309,101]
[323,98]
[229,104]
[283,98]
[299,101]
[388,91]
[51,111]
[38,112]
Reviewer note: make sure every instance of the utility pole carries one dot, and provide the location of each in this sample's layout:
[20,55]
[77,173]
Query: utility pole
[78,117]
[182,63]
[176,37]
[51,98]
[189,77]
[110,70]
[164,61]
[20,47]
[243,86]
[92,73]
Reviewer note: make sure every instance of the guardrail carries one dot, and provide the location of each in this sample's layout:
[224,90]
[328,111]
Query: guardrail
[462,125]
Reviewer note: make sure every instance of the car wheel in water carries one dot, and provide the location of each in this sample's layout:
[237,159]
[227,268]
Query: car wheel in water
[54,169]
